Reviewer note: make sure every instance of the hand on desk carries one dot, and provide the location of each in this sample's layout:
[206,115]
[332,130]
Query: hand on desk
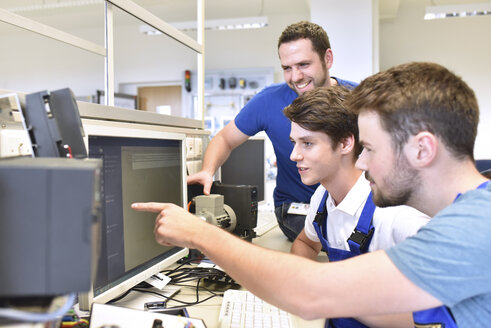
[173,225]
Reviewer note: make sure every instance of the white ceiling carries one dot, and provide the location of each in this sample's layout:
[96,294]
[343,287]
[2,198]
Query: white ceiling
[213,8]
[183,10]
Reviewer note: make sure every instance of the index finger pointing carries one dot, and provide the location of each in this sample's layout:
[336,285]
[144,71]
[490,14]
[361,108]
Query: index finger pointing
[148,207]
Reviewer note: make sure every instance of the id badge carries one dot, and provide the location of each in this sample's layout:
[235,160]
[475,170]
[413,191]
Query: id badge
[298,208]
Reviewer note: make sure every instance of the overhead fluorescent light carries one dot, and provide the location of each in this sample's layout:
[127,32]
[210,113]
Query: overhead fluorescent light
[215,24]
[460,10]
[54,5]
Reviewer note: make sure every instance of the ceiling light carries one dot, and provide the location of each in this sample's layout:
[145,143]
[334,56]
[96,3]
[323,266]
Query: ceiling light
[461,10]
[215,24]
[54,5]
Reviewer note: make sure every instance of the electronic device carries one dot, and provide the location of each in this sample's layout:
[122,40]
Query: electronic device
[50,225]
[160,305]
[8,102]
[218,281]
[232,82]
[241,198]
[178,310]
[221,83]
[187,80]
[213,210]
[246,166]
[139,165]
[241,308]
[53,123]
[155,306]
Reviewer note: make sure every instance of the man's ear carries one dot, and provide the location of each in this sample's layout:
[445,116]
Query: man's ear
[347,144]
[421,149]
[328,58]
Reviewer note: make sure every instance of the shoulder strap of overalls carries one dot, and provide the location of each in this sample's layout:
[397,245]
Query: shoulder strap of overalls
[483,185]
[321,220]
[362,235]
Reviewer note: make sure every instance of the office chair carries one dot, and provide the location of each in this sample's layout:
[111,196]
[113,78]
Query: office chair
[484,166]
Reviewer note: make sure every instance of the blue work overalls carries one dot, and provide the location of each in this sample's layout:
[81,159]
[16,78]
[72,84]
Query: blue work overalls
[358,243]
[439,317]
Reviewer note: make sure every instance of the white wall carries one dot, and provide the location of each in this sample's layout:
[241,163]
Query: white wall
[30,62]
[461,44]
[38,63]
[248,48]
[350,27]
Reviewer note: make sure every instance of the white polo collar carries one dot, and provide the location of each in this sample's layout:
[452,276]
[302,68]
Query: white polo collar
[355,198]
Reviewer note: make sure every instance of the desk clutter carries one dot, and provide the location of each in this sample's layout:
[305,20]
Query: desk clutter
[238,308]
[105,316]
[205,278]
[207,275]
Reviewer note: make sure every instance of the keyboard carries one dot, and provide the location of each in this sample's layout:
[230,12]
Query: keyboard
[241,308]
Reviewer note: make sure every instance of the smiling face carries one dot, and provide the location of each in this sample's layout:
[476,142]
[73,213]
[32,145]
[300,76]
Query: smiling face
[392,179]
[313,151]
[303,70]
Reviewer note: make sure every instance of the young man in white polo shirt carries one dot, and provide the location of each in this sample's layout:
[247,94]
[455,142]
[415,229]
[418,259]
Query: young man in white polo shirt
[342,219]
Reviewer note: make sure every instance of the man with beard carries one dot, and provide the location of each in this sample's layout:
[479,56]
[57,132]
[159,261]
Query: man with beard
[418,124]
[342,219]
[306,57]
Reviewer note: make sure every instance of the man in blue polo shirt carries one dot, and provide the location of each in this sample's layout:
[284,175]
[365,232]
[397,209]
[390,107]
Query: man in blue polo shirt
[306,57]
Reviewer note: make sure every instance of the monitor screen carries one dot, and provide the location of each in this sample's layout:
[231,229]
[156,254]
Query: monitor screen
[246,166]
[138,166]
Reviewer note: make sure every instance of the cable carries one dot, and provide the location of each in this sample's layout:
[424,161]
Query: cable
[120,297]
[189,274]
[181,275]
[176,300]
[38,317]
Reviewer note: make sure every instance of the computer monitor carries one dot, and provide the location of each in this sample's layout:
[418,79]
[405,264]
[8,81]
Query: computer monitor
[246,166]
[139,165]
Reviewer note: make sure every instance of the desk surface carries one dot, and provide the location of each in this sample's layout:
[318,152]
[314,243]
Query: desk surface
[209,310]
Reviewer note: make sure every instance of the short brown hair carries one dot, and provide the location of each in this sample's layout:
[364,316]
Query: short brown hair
[306,30]
[416,97]
[324,109]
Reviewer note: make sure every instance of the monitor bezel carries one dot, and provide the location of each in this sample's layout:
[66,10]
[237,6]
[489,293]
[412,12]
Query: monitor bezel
[133,130]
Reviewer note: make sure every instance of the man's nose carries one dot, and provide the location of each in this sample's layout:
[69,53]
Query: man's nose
[295,155]
[361,161]
[297,74]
